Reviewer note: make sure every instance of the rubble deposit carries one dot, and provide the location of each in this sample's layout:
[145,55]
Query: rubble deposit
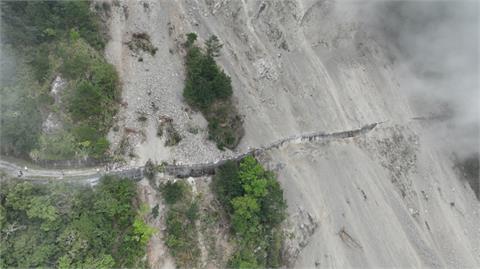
[298,66]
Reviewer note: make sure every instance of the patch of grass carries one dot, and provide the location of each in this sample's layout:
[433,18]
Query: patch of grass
[172,136]
[181,231]
[86,102]
[182,238]
[141,41]
[209,89]
[274,250]
[174,192]
[58,146]
[211,216]
[224,124]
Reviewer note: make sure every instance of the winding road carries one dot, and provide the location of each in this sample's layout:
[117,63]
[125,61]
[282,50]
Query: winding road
[90,175]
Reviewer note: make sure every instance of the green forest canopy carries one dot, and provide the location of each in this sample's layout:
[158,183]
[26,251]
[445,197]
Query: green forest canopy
[254,201]
[50,38]
[58,225]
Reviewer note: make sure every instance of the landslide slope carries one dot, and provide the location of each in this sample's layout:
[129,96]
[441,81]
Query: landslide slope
[388,198]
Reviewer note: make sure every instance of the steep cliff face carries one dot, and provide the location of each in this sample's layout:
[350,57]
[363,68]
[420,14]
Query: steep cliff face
[388,198]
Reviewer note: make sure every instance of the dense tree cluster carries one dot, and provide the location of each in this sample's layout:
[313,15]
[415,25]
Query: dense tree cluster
[205,82]
[57,37]
[254,200]
[209,89]
[56,225]
[32,23]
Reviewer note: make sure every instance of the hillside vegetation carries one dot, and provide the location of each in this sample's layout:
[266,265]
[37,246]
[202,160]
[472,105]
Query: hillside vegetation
[254,208]
[49,39]
[181,231]
[209,89]
[56,225]
[254,201]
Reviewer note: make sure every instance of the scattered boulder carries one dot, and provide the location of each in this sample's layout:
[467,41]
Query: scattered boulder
[299,228]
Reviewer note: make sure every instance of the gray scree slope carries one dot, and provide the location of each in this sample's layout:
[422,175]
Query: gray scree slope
[297,67]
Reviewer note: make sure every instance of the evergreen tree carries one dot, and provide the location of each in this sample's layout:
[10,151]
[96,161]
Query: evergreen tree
[213,46]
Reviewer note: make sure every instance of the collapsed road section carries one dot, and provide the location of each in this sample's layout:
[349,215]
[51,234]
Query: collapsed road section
[92,174]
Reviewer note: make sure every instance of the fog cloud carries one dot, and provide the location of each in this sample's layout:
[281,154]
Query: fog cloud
[438,43]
